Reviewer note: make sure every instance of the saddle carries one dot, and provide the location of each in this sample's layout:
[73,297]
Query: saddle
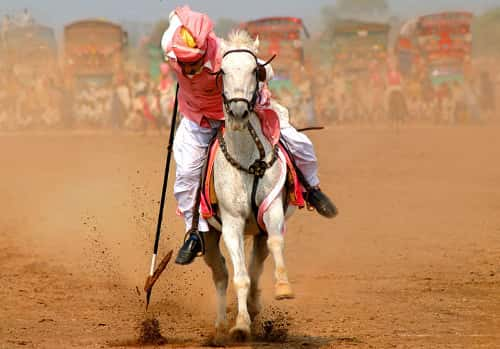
[289,178]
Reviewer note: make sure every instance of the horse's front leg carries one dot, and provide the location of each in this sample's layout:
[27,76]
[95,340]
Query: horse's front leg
[232,233]
[274,219]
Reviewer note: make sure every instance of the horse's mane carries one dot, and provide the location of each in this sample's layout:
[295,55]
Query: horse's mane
[240,39]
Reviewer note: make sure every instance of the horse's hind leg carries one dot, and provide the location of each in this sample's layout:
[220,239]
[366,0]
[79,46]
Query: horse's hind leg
[275,224]
[217,264]
[259,255]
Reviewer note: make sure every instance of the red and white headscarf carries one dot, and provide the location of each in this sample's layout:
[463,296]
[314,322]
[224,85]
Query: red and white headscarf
[190,40]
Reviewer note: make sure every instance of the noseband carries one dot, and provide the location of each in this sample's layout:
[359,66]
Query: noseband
[260,76]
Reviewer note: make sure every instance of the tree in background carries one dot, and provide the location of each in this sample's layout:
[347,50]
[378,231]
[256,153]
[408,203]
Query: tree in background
[328,18]
[224,26]
[486,32]
[352,9]
[362,7]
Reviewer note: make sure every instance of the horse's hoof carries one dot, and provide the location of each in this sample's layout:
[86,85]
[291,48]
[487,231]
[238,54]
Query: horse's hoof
[240,333]
[283,291]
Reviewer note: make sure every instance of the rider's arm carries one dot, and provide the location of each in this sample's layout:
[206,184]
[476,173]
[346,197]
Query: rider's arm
[265,94]
[269,70]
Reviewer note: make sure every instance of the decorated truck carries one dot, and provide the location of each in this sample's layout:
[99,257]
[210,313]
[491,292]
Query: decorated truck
[30,57]
[31,49]
[435,51]
[358,44]
[93,56]
[359,51]
[439,45]
[283,37]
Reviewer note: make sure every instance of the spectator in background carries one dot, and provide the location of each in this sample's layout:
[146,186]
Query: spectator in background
[487,94]
[472,102]
[149,102]
[395,100]
[3,101]
[66,101]
[427,95]
[166,92]
[459,107]
[121,101]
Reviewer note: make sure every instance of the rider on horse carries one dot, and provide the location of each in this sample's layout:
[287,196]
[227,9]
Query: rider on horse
[194,53]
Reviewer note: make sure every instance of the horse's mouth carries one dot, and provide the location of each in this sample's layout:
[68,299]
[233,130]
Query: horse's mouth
[237,125]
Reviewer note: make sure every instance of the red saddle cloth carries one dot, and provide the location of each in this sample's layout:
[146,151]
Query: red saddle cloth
[271,129]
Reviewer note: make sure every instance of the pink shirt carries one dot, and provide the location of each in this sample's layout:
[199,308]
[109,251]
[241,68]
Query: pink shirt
[200,98]
[394,78]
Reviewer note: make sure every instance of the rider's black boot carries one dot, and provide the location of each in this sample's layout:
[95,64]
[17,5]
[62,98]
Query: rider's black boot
[192,246]
[317,199]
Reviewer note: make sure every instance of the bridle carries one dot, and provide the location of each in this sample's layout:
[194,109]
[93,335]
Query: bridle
[259,167]
[260,76]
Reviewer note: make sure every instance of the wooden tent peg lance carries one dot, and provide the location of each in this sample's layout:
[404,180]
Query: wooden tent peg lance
[151,280]
[154,275]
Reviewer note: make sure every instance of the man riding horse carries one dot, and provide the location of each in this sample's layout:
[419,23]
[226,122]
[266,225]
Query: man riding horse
[194,53]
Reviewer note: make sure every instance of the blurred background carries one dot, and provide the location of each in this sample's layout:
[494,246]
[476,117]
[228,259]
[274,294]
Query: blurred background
[408,91]
[99,65]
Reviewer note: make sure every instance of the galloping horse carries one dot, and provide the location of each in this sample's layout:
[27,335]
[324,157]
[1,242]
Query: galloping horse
[242,147]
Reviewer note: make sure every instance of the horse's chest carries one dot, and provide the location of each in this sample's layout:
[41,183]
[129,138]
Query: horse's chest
[232,187]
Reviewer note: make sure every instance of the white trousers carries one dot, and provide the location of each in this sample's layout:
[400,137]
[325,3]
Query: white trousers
[190,151]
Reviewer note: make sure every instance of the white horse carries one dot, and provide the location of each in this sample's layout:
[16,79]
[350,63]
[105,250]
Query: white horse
[241,73]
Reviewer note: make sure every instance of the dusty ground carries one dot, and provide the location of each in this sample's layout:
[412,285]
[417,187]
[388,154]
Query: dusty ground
[413,260]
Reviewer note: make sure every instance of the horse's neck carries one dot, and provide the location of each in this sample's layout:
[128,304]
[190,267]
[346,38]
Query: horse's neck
[241,145]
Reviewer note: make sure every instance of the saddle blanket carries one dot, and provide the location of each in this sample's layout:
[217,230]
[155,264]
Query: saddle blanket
[288,178]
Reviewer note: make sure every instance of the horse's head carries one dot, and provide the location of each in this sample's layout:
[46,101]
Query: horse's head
[241,73]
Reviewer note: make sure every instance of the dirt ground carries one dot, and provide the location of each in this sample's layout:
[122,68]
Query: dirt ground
[412,261]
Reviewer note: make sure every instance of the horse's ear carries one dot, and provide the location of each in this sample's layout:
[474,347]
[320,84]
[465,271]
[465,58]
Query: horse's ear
[256,44]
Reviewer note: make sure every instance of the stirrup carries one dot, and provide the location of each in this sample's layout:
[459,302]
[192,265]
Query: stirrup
[200,238]
[322,203]
[309,207]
